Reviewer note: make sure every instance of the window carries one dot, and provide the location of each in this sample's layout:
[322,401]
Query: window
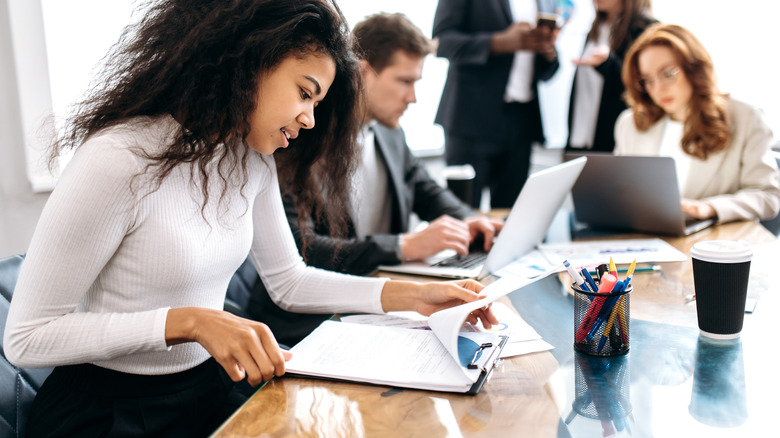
[79,32]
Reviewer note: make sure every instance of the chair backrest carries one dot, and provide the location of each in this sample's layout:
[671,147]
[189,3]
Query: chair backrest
[240,289]
[773,225]
[18,386]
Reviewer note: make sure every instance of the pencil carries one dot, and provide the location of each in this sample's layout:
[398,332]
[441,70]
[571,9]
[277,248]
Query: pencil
[649,268]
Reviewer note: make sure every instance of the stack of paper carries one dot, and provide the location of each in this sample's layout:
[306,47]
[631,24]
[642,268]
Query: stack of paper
[442,353]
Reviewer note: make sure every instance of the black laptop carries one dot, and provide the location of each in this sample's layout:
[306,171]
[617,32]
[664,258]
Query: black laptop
[631,193]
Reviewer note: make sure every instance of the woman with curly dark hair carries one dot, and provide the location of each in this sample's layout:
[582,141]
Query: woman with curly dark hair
[172,183]
[721,146]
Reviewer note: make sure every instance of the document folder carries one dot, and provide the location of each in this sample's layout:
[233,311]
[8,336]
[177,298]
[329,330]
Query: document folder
[397,357]
[442,358]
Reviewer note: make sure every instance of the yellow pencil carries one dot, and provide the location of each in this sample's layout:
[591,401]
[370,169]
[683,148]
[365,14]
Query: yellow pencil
[631,269]
[612,317]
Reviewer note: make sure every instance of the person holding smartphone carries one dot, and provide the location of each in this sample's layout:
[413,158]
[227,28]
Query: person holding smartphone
[597,92]
[489,107]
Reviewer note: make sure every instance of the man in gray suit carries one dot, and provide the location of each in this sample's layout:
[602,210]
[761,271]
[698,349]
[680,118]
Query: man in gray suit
[489,108]
[390,183]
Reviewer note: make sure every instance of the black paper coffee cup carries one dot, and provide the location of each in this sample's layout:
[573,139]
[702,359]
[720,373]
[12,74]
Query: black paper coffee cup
[721,269]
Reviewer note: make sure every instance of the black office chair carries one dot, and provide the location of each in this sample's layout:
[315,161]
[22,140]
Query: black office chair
[773,225]
[18,386]
[240,288]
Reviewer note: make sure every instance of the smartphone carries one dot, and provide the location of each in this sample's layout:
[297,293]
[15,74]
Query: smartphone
[548,20]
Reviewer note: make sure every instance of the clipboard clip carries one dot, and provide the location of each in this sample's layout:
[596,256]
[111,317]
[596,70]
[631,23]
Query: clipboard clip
[473,364]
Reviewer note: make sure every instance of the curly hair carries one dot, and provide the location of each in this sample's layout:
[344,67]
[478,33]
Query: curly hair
[201,61]
[706,127]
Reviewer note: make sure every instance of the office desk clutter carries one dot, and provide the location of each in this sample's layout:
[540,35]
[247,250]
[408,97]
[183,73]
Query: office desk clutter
[673,382]
[437,355]
[601,310]
[443,352]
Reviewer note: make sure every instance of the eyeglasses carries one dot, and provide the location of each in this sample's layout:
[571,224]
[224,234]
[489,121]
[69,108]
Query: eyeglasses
[666,77]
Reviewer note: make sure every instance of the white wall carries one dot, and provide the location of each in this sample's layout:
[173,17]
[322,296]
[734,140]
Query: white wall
[20,206]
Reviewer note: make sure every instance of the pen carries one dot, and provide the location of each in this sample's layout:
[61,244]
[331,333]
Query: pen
[601,270]
[610,321]
[622,324]
[607,283]
[576,277]
[650,268]
[605,312]
[589,279]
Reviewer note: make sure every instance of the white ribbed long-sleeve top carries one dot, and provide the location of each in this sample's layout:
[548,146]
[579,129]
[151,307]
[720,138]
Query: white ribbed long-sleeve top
[110,256]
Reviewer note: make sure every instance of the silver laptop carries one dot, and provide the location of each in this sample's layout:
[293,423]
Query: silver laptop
[524,229]
[629,193]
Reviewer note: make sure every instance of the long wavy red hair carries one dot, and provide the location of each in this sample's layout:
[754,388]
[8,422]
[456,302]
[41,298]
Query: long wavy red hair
[706,127]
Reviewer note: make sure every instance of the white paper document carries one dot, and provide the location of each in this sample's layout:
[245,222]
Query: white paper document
[391,356]
[523,339]
[623,251]
[532,267]
[399,354]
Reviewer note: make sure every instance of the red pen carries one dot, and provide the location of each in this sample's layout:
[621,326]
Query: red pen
[605,286]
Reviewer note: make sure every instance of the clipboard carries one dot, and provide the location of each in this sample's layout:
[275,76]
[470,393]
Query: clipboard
[491,359]
[394,357]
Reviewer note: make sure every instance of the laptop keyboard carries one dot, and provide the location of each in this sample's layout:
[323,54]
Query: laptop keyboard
[466,261]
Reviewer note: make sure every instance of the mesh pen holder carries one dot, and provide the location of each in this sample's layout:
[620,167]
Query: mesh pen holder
[602,321]
[601,387]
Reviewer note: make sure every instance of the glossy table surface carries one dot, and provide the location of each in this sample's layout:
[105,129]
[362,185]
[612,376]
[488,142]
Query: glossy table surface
[672,382]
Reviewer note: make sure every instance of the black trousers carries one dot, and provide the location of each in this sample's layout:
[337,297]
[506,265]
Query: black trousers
[90,401]
[500,165]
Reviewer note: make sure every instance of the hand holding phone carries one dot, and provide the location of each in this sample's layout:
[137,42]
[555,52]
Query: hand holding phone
[548,20]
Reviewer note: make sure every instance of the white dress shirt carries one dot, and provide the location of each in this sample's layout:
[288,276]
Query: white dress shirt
[519,87]
[370,195]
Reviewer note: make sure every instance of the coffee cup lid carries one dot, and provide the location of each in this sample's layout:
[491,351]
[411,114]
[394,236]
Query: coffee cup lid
[722,251]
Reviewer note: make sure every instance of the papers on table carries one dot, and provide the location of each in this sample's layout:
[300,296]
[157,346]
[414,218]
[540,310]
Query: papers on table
[379,355]
[523,339]
[623,251]
[443,353]
[529,268]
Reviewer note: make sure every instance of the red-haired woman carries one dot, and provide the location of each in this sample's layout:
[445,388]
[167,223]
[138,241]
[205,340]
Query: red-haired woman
[721,146]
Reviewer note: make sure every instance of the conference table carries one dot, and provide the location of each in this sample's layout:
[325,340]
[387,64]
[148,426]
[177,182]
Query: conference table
[673,382]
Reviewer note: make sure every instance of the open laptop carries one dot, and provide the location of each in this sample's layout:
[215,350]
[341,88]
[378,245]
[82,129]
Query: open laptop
[631,193]
[524,229]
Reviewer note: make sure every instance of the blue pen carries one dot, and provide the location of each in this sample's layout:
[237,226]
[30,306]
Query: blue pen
[576,277]
[606,309]
[589,279]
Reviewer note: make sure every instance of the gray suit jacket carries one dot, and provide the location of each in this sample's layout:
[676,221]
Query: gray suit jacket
[412,190]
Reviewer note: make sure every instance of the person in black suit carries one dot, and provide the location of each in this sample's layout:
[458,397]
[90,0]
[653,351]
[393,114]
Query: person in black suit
[390,183]
[489,108]
[597,91]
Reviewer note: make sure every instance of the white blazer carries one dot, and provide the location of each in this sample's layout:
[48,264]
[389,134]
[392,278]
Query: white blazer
[740,182]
